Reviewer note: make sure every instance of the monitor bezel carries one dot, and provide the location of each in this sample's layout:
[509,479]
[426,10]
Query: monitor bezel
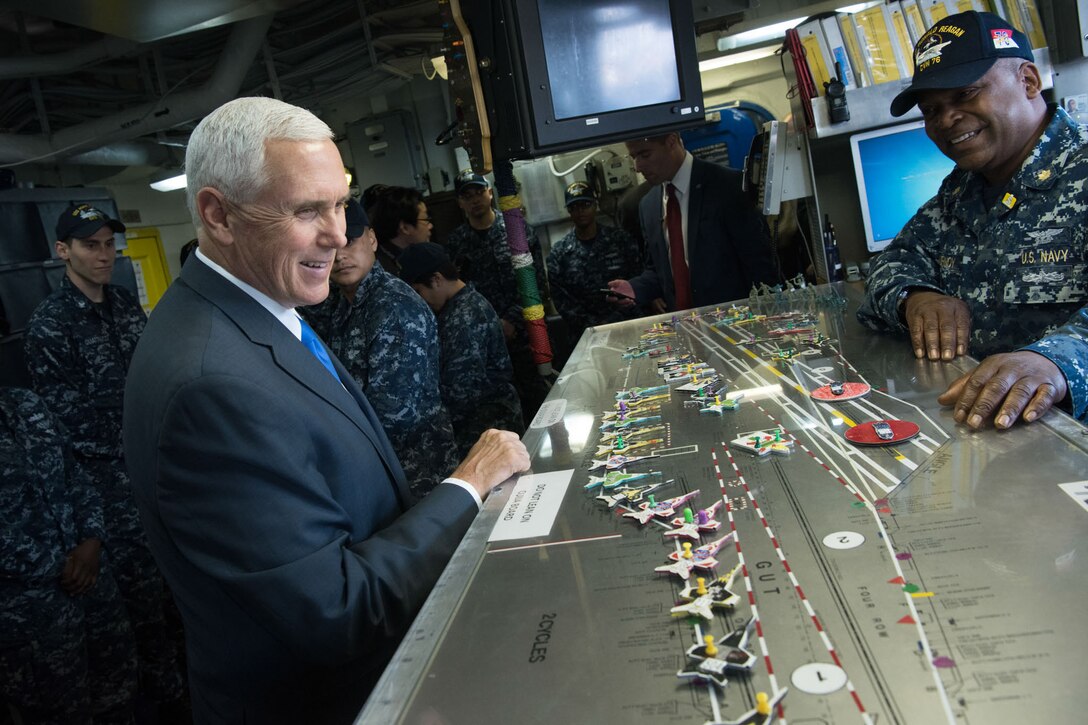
[550,134]
[872,244]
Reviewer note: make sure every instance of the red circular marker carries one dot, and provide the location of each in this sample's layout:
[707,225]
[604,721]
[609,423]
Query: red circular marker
[863,434]
[849,392]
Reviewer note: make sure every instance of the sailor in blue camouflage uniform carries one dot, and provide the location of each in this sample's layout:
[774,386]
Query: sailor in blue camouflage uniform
[476,377]
[387,338]
[581,264]
[996,261]
[79,342]
[478,249]
[66,647]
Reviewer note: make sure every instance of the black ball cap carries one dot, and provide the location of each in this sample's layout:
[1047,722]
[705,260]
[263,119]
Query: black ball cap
[957,51]
[420,261]
[82,220]
[468,178]
[356,218]
[578,191]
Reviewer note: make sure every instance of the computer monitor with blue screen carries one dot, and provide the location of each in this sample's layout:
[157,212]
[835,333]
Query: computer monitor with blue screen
[897,169]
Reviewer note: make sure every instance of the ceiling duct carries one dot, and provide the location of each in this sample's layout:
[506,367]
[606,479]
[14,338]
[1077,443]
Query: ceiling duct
[238,55]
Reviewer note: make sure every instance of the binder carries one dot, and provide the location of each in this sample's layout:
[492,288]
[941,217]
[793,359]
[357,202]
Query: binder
[934,10]
[1024,14]
[837,52]
[915,24]
[879,44]
[849,31]
[904,45]
[811,35]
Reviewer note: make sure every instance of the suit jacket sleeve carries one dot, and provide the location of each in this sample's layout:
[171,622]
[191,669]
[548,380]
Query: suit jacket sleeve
[648,284]
[255,513]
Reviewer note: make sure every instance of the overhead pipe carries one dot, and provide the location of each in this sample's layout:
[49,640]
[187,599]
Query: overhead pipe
[240,51]
[56,64]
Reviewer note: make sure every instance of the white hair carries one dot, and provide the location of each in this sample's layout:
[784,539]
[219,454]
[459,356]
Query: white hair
[227,149]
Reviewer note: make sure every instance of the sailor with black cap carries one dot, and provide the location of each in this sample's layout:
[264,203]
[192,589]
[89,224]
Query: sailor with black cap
[387,338]
[582,262]
[995,264]
[79,343]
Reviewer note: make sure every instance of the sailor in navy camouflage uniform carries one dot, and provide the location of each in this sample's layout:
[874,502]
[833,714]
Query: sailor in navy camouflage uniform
[996,261]
[479,251]
[476,378]
[66,648]
[387,338]
[581,264]
[79,342]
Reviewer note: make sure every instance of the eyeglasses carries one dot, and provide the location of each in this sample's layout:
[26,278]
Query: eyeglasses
[424,220]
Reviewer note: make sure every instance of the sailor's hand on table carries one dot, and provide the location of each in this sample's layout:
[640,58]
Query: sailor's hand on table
[1005,387]
[939,325]
[497,456]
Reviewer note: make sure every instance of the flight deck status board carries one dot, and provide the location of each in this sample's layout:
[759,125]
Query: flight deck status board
[758,513]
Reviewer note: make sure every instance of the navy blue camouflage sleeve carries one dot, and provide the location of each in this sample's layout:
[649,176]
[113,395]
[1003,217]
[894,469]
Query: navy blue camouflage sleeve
[1067,347]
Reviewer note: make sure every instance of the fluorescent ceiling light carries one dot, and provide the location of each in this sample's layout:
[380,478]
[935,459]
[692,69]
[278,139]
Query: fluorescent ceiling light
[169,181]
[855,8]
[742,57]
[758,35]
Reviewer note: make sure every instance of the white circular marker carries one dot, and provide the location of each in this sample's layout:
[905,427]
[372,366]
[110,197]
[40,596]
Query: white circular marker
[818,678]
[824,370]
[844,540]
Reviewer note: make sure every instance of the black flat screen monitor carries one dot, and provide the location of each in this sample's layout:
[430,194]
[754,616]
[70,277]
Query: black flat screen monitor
[588,73]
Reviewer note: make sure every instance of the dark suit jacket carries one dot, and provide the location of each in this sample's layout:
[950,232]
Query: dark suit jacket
[276,509]
[728,245]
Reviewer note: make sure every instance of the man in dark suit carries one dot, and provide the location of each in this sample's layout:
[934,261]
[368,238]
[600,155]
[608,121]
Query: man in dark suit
[271,497]
[704,243]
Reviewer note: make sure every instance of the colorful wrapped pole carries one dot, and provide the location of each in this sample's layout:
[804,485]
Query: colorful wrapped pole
[532,307]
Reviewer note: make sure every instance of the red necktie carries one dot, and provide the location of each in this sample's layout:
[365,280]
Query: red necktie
[681,280]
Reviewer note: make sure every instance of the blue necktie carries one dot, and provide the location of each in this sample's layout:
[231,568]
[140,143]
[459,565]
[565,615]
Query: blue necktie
[313,343]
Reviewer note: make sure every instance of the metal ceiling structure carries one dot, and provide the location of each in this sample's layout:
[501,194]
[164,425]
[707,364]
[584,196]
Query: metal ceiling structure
[104,85]
[123,83]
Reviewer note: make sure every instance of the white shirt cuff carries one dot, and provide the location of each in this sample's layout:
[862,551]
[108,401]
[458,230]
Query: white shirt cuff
[468,487]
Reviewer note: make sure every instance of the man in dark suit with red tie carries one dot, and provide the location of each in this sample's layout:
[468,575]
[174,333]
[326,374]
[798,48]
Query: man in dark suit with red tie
[705,243]
[270,495]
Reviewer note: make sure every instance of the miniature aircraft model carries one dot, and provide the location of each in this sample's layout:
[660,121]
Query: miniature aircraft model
[684,372]
[613,479]
[629,423]
[719,590]
[719,405]
[698,383]
[629,446]
[764,442]
[764,713]
[702,600]
[616,462]
[630,433]
[681,567]
[784,354]
[692,527]
[661,509]
[631,495]
[706,669]
[731,649]
[707,394]
[622,445]
[638,393]
[703,556]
